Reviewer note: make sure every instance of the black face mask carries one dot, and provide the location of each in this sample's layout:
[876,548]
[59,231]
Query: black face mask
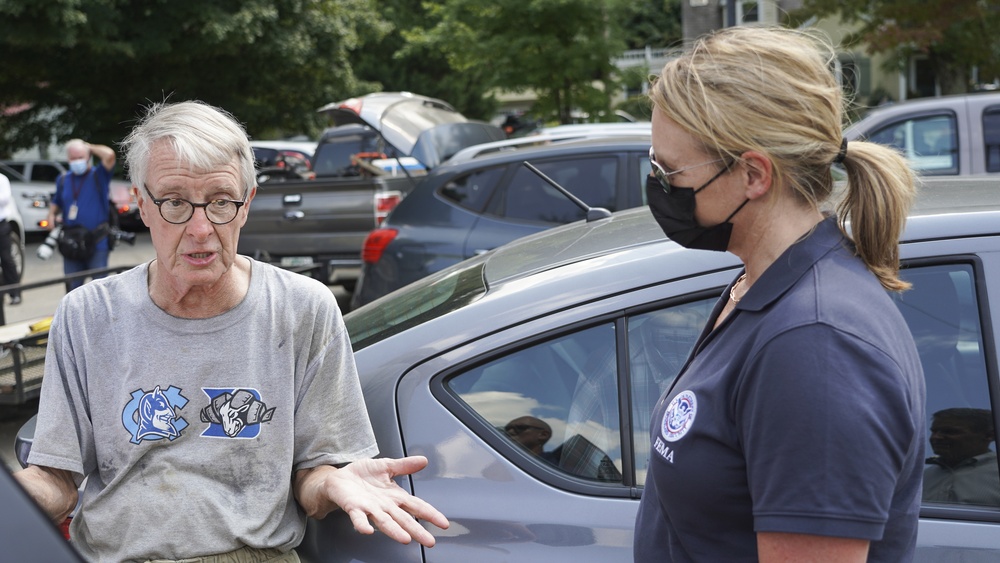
[674,212]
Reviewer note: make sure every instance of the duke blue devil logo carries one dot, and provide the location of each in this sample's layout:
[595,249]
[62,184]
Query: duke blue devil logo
[152,415]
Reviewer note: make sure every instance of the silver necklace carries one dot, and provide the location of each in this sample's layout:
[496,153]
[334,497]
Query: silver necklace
[732,291]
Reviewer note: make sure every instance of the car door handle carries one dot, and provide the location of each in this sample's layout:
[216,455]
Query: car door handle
[295,215]
[292,199]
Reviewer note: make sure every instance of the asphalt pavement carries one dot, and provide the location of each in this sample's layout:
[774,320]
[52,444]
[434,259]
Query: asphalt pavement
[41,302]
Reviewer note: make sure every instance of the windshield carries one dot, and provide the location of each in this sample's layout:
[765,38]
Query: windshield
[419,302]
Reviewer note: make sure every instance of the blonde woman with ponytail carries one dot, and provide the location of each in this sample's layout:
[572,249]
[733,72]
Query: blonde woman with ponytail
[795,431]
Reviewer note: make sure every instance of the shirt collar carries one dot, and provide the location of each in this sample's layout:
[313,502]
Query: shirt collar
[793,263]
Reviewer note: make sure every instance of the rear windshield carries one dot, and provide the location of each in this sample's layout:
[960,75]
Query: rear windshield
[419,302]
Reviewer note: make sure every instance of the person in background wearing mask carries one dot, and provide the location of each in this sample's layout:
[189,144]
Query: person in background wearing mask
[795,430]
[10,273]
[82,199]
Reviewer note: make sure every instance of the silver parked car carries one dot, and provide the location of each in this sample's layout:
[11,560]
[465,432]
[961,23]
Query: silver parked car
[944,136]
[526,376]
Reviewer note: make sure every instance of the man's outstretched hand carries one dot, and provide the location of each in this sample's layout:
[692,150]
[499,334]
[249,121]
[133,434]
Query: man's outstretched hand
[365,490]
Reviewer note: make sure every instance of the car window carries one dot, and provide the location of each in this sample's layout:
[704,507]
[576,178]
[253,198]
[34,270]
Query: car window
[17,167]
[334,155]
[659,343]
[560,399]
[265,157]
[427,298]
[991,138]
[645,168]
[527,197]
[45,173]
[472,191]
[557,400]
[942,312]
[930,143]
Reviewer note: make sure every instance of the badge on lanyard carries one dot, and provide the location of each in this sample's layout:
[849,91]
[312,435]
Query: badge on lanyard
[71,214]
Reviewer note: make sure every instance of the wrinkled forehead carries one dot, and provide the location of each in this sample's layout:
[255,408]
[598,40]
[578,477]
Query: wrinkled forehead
[168,169]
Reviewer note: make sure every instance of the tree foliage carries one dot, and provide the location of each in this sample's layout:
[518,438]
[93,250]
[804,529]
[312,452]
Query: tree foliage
[421,69]
[653,23]
[955,35]
[86,68]
[560,49]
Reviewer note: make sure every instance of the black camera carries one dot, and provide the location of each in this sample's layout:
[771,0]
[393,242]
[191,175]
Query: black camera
[121,236]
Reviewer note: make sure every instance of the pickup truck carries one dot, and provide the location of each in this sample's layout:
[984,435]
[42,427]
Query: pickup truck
[373,156]
[945,136]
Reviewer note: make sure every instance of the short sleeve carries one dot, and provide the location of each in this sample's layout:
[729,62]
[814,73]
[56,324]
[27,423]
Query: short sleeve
[825,420]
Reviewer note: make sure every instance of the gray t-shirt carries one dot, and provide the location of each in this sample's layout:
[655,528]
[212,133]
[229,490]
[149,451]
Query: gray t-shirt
[190,429]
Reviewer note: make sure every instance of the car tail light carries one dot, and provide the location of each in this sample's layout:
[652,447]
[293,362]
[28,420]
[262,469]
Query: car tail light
[375,244]
[64,527]
[353,104]
[384,203]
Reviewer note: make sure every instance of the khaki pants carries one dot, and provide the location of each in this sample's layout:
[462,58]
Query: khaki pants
[241,555]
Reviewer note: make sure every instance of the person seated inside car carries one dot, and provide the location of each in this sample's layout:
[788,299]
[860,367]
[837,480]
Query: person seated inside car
[964,468]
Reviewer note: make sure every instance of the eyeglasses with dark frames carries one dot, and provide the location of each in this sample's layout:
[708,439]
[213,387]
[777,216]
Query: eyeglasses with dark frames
[664,177]
[178,211]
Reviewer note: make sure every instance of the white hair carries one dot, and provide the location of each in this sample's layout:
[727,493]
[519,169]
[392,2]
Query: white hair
[203,136]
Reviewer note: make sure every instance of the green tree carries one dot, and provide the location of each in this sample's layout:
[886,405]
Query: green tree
[955,35]
[86,68]
[656,23]
[423,70]
[560,49]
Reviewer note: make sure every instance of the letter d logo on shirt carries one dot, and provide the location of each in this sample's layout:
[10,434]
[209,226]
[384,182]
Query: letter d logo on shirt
[679,417]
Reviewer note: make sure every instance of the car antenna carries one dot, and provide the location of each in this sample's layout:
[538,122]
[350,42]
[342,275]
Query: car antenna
[593,213]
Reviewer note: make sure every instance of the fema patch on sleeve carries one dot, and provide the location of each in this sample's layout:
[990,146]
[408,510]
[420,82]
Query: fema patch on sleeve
[234,413]
[152,415]
[679,417]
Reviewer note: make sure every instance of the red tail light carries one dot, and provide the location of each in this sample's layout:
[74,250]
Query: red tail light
[375,244]
[384,203]
[352,104]
[64,527]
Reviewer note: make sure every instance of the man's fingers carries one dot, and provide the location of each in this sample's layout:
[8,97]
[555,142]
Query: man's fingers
[360,521]
[395,523]
[423,510]
[406,465]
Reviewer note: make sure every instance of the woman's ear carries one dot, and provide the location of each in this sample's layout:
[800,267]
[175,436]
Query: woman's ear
[758,172]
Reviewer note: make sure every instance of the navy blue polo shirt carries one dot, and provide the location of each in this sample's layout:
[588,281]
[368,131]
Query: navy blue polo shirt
[803,413]
[89,193]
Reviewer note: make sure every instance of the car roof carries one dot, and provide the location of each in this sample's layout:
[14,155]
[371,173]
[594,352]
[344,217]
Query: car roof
[308,147]
[590,260]
[573,145]
[635,127]
[543,139]
[936,104]
[932,217]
